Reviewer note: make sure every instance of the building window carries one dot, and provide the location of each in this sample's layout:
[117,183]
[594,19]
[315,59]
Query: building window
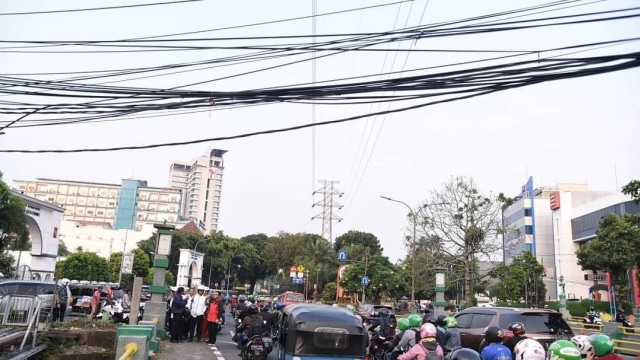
[103,192]
[89,212]
[112,203]
[50,199]
[102,203]
[100,213]
[527,212]
[110,213]
[528,229]
[91,202]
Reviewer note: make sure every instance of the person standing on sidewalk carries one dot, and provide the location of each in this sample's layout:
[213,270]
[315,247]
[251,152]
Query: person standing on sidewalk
[178,305]
[198,306]
[61,302]
[215,312]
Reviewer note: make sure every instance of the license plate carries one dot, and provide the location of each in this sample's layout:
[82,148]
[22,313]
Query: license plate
[256,347]
[266,340]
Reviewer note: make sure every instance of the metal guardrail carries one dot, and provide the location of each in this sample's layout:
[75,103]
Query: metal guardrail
[21,312]
[627,344]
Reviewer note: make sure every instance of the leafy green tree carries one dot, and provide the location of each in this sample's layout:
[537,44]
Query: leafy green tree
[282,250]
[385,280]
[258,268]
[319,259]
[462,223]
[84,266]
[328,294]
[615,249]
[359,238]
[62,249]
[632,189]
[14,233]
[522,279]
[140,265]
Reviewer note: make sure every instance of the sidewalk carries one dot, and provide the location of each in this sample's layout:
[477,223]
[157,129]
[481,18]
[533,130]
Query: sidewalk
[184,351]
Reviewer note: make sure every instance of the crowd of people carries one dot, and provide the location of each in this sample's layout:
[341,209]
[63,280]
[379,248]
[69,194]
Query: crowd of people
[196,314]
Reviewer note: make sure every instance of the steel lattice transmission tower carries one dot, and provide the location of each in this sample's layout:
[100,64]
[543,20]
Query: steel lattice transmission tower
[329,206]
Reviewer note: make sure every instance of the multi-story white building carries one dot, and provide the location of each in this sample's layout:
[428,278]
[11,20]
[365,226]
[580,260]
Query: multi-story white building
[129,205]
[201,183]
[552,223]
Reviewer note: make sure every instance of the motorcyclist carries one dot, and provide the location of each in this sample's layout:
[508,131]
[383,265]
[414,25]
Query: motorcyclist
[267,316]
[245,327]
[494,336]
[384,322]
[404,340]
[451,336]
[604,347]
[518,330]
[241,308]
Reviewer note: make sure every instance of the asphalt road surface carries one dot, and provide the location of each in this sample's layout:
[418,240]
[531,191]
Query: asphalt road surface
[226,349]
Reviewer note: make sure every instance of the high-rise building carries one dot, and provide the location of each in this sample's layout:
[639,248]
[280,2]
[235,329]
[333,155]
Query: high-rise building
[553,222]
[129,205]
[201,183]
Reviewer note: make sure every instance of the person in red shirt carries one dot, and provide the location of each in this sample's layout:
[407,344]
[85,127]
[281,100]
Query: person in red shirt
[95,303]
[215,311]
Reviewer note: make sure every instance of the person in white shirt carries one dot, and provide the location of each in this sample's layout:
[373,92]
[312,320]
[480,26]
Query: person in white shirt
[197,305]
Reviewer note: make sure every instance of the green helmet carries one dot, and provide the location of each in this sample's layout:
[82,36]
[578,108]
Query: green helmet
[351,308]
[451,322]
[602,343]
[415,320]
[403,324]
[563,350]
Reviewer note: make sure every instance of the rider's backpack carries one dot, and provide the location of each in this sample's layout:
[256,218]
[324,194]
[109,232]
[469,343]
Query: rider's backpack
[256,326]
[431,354]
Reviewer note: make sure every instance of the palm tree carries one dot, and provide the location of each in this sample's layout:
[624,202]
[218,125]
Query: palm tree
[320,257]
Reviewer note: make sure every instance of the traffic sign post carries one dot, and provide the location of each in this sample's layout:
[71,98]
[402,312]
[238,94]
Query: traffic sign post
[300,268]
[364,281]
[292,271]
[342,255]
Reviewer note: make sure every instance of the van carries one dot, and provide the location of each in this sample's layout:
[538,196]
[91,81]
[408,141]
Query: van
[290,297]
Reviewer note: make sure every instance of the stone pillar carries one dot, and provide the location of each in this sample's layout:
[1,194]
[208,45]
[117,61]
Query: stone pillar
[156,309]
[440,304]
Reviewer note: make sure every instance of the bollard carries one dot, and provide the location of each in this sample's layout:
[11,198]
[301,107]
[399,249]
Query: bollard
[129,350]
[127,343]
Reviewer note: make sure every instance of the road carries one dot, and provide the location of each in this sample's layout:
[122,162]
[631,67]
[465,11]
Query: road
[226,349]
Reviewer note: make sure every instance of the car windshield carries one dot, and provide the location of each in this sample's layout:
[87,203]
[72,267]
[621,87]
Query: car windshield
[295,297]
[537,323]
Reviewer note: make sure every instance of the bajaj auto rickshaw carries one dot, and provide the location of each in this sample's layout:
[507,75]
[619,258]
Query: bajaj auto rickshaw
[313,331]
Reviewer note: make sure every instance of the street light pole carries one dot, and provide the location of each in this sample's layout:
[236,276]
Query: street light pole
[413,248]
[229,271]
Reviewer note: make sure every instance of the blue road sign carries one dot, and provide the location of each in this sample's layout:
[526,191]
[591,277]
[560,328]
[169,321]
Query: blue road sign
[342,255]
[296,280]
[365,281]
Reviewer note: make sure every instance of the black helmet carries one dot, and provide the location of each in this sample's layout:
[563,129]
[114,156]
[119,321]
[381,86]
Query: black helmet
[442,320]
[517,328]
[264,306]
[493,334]
[253,309]
[463,354]
[430,319]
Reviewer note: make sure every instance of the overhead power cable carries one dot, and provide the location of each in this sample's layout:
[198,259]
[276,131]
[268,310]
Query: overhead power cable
[97,8]
[513,76]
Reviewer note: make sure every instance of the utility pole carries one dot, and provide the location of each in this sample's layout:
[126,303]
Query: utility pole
[366,265]
[329,191]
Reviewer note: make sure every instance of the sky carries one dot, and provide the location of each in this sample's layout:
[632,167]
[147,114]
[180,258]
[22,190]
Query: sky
[579,130]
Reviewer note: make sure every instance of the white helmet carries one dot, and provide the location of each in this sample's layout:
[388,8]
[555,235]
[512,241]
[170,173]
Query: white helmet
[65,281]
[529,349]
[583,344]
[200,288]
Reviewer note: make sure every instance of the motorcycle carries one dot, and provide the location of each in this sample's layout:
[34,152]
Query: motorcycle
[379,346]
[116,312]
[592,321]
[626,323]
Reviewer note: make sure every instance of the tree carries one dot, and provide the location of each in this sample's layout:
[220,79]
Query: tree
[282,250]
[328,294]
[14,233]
[385,280]
[615,249]
[258,267]
[62,249]
[522,279]
[632,189]
[84,266]
[140,265]
[363,239]
[319,259]
[462,223]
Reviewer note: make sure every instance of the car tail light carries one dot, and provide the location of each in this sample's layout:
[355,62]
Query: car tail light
[257,341]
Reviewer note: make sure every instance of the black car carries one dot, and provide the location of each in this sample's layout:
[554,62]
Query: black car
[371,313]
